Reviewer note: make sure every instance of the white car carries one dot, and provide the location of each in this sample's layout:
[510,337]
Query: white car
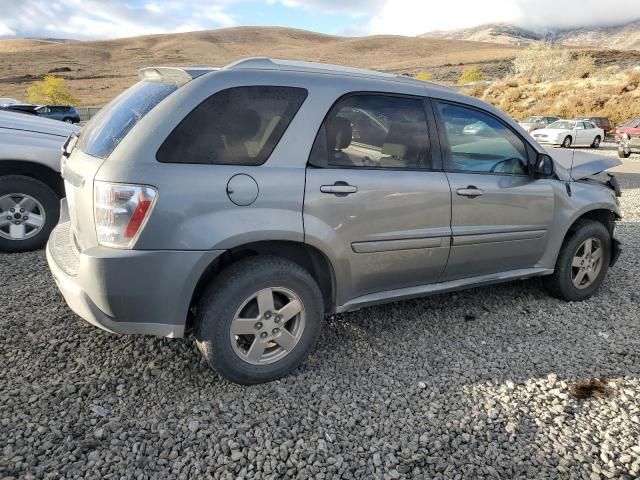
[7,101]
[570,132]
[30,182]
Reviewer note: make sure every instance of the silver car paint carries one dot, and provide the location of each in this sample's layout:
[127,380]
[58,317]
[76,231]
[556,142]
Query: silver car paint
[389,240]
[29,138]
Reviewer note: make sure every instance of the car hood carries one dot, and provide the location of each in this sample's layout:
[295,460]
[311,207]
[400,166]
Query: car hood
[576,165]
[33,123]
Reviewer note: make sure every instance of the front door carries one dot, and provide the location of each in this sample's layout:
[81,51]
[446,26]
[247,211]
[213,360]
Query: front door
[372,199]
[500,216]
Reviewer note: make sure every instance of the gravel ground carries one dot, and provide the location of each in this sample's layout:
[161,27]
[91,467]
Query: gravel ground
[468,385]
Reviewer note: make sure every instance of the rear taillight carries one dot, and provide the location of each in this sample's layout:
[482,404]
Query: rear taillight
[121,212]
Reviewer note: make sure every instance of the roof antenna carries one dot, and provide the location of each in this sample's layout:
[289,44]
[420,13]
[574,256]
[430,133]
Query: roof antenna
[573,156]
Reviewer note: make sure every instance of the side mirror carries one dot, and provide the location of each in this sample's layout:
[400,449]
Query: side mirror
[543,166]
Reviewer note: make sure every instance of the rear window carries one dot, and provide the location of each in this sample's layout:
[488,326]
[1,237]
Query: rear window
[111,124]
[237,126]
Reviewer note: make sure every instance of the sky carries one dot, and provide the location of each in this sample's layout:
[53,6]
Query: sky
[99,19]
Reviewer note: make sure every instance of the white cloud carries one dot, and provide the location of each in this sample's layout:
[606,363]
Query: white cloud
[354,8]
[83,19]
[413,17]
[6,31]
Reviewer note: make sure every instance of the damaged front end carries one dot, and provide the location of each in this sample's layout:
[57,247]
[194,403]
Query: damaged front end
[586,168]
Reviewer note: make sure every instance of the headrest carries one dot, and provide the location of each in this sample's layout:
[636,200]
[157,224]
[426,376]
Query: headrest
[400,137]
[246,125]
[339,133]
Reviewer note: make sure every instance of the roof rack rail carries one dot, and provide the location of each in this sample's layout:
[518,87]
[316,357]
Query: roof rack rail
[265,63]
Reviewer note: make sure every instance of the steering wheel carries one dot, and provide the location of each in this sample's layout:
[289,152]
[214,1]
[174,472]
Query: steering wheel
[507,160]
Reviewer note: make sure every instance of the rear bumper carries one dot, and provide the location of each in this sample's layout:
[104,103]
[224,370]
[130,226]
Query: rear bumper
[127,291]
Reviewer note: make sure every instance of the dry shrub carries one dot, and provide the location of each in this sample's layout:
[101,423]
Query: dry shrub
[543,62]
[633,80]
[424,76]
[583,66]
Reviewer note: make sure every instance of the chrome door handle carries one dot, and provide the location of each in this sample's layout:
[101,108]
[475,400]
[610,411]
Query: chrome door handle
[339,188]
[470,192]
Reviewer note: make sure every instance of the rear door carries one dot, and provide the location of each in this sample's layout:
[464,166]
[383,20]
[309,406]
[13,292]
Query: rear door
[583,136]
[500,216]
[376,197]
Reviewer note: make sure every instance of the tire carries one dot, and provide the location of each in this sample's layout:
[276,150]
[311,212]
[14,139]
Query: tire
[561,283]
[566,143]
[596,142]
[68,120]
[12,188]
[623,154]
[226,298]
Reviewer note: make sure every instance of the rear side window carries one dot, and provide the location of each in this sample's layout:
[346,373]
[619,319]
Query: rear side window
[112,123]
[237,126]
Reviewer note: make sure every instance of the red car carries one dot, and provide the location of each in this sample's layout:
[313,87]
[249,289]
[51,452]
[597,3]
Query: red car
[628,138]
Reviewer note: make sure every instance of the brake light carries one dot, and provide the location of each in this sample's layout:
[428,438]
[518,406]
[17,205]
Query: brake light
[121,211]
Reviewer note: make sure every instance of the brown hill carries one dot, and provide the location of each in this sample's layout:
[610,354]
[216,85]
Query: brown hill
[98,70]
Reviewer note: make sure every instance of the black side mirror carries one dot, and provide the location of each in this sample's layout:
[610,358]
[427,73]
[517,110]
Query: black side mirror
[543,166]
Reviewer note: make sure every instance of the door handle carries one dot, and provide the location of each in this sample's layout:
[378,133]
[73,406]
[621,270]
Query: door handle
[470,191]
[339,188]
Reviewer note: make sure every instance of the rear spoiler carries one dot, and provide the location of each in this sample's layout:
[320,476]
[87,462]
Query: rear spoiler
[177,75]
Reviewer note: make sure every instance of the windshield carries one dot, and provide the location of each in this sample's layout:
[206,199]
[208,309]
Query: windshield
[110,125]
[562,125]
[532,120]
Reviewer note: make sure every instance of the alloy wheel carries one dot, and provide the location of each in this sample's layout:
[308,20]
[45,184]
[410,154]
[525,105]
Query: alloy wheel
[21,217]
[587,263]
[267,326]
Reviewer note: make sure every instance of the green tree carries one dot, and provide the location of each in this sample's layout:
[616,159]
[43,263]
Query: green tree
[471,74]
[50,91]
[424,76]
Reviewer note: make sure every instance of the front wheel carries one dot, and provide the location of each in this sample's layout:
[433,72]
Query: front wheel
[29,210]
[596,142]
[582,263]
[566,142]
[259,319]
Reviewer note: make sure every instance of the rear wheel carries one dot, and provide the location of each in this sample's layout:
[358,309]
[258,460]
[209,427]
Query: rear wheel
[68,120]
[596,142]
[29,210]
[259,319]
[567,142]
[623,153]
[582,263]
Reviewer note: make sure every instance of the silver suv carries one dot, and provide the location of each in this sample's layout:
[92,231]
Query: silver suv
[246,203]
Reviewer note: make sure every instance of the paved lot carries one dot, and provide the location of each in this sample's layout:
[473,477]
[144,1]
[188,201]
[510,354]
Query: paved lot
[467,385]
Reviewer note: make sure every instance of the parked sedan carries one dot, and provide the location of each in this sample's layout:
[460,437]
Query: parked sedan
[570,132]
[536,122]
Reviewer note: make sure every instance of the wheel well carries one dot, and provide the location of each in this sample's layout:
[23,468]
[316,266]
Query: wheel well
[308,257]
[603,216]
[40,172]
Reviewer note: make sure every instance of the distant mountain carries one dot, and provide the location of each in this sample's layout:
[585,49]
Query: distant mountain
[619,37]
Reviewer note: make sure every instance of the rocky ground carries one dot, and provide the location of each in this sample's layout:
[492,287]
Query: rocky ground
[477,384]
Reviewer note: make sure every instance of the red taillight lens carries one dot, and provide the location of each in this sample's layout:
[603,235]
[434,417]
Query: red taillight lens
[138,216]
[121,211]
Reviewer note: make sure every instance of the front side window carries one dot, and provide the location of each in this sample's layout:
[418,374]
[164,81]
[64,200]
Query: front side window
[373,131]
[480,143]
[237,126]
